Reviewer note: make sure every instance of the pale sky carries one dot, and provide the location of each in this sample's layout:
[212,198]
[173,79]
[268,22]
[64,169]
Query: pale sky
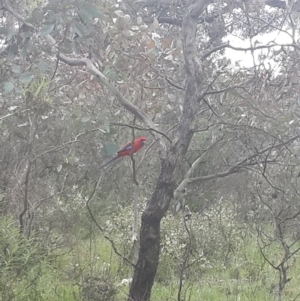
[245,58]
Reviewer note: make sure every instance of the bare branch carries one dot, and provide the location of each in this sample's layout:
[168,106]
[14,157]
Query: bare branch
[97,224]
[239,165]
[227,45]
[141,128]
[195,164]
[25,201]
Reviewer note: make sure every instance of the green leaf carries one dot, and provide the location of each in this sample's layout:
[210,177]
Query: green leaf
[208,196]
[85,16]
[109,149]
[77,47]
[42,66]
[46,29]
[67,46]
[27,48]
[79,29]
[106,126]
[112,131]
[26,34]
[3,30]
[16,69]
[87,126]
[92,10]
[26,78]
[53,7]
[37,15]
[30,20]
[10,34]
[85,119]
[235,93]
[8,87]
[13,49]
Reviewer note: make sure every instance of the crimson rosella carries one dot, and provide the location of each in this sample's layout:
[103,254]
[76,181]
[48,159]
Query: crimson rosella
[130,147]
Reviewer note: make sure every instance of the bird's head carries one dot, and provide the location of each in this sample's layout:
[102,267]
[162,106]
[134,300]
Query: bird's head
[142,140]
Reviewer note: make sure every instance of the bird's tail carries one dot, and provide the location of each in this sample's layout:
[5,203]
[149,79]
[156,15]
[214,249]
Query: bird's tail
[108,162]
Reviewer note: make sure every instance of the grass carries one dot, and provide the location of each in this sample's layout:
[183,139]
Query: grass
[63,273]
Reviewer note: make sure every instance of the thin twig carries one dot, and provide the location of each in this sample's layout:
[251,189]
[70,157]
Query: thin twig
[98,226]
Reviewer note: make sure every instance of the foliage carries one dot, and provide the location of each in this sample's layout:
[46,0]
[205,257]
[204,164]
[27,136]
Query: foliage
[98,288]
[92,267]
[26,271]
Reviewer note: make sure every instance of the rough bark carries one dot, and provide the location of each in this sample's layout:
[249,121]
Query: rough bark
[157,206]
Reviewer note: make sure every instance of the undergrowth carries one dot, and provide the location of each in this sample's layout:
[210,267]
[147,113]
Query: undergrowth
[223,263]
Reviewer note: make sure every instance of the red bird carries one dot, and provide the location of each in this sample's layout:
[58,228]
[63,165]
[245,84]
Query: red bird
[130,147]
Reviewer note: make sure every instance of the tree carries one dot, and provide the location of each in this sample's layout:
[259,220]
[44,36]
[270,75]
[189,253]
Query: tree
[157,206]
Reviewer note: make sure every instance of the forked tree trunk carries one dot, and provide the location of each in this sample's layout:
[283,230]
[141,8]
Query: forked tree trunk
[157,206]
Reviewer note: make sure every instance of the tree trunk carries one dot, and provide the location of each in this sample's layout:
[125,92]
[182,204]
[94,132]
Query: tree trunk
[157,206]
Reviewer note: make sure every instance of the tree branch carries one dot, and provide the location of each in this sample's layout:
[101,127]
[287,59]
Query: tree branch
[236,167]
[187,176]
[102,78]
[227,45]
